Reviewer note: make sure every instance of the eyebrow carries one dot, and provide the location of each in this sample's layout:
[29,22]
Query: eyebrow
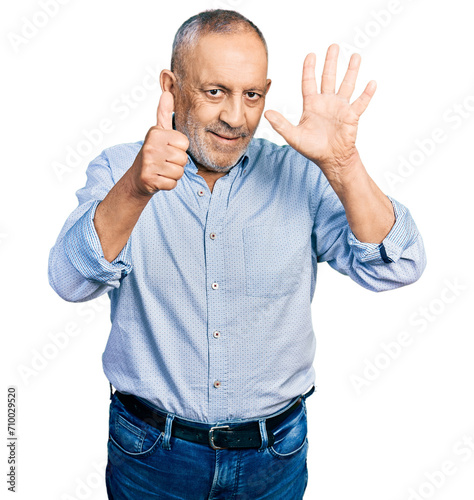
[214,84]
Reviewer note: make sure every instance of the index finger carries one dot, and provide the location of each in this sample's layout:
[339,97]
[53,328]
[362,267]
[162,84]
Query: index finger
[309,86]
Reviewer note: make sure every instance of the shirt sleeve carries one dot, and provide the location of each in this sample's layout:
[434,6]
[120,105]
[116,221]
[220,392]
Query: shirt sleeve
[78,270]
[399,260]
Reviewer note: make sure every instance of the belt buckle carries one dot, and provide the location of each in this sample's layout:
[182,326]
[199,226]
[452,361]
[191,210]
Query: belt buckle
[211,437]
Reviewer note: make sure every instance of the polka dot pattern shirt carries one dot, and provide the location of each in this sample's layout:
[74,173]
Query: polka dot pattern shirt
[211,295]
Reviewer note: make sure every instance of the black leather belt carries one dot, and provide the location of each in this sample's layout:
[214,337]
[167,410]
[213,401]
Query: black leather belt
[245,435]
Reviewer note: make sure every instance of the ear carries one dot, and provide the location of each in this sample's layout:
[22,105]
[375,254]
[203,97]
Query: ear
[267,87]
[168,81]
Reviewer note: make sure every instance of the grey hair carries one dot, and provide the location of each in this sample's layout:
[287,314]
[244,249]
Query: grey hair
[217,21]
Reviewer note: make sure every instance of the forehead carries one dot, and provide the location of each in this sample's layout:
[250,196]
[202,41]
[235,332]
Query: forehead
[237,59]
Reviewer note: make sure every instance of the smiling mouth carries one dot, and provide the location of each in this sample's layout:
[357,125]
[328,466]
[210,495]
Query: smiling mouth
[225,138]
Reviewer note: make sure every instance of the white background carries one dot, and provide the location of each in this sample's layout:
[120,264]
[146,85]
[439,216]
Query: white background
[63,79]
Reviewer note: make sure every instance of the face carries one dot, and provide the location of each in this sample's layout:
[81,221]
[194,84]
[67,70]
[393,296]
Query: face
[221,100]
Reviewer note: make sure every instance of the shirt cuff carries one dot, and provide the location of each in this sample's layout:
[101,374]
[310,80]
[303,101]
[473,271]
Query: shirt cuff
[83,248]
[403,234]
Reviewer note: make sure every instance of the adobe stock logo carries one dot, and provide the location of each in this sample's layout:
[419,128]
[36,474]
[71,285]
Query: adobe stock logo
[419,320]
[226,4]
[31,27]
[462,452]
[425,147]
[379,21]
[57,343]
[120,108]
[85,487]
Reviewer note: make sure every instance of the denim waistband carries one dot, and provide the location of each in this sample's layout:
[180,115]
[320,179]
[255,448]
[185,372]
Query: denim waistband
[221,422]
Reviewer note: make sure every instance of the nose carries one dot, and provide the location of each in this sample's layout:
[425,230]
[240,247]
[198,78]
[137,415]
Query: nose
[233,112]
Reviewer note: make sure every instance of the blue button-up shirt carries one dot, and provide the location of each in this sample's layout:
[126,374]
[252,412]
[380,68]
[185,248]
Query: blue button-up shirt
[211,295]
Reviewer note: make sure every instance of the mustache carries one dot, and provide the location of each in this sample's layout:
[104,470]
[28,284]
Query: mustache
[225,129]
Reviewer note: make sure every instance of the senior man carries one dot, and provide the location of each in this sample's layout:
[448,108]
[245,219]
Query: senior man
[207,242]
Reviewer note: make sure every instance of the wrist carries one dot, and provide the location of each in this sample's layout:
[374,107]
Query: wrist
[343,171]
[131,186]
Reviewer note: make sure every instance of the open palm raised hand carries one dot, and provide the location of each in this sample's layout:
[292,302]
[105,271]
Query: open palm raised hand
[327,129]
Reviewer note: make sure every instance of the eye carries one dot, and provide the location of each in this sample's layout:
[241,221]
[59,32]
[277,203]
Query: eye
[253,96]
[213,92]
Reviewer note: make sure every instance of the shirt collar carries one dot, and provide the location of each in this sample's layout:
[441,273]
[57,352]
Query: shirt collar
[237,169]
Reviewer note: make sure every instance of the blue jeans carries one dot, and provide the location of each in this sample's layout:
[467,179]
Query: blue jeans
[144,463]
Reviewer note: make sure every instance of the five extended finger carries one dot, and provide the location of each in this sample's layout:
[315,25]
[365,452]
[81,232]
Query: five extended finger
[281,125]
[309,86]
[328,80]
[348,83]
[361,103]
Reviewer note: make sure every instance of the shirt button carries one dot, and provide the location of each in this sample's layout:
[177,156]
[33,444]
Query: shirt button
[216,334]
[217,384]
[212,236]
[201,192]
[215,286]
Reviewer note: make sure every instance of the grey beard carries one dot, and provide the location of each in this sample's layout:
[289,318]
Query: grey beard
[198,152]
[201,157]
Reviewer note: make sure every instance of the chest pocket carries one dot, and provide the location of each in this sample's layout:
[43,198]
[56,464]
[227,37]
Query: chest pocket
[273,260]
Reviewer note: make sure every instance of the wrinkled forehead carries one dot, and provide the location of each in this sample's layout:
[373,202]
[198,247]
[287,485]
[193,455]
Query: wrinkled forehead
[237,59]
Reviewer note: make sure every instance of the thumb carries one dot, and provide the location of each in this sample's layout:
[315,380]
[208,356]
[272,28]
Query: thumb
[164,113]
[280,124]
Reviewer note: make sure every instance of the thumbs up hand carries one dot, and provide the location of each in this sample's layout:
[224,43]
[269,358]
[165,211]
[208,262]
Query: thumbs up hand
[161,160]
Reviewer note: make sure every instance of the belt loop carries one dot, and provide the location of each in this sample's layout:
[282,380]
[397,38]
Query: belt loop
[308,394]
[111,393]
[166,440]
[263,433]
